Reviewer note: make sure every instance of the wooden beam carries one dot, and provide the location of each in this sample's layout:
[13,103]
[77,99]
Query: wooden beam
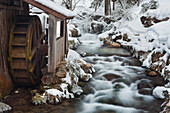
[48,10]
[52,31]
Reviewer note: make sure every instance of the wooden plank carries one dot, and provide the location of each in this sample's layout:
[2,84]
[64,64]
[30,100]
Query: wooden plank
[18,55]
[26,81]
[52,31]
[20,73]
[19,42]
[59,50]
[19,64]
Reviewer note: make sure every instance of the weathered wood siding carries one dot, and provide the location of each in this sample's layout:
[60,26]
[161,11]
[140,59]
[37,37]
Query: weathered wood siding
[7,16]
[60,49]
[57,46]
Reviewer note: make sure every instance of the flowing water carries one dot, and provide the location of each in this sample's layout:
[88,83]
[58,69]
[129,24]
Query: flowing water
[117,81]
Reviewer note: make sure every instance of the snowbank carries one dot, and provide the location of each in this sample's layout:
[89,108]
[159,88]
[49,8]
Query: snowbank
[4,107]
[158,92]
[56,7]
[152,44]
[162,11]
[64,85]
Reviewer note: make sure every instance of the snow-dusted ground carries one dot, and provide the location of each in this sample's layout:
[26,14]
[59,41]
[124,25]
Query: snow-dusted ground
[141,37]
[132,26]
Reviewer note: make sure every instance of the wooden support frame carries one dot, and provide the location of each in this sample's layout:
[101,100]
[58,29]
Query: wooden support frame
[51,41]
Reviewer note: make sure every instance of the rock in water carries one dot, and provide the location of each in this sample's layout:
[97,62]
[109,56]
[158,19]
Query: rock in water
[76,89]
[88,68]
[4,107]
[144,84]
[145,91]
[110,77]
[116,45]
[86,77]
[152,73]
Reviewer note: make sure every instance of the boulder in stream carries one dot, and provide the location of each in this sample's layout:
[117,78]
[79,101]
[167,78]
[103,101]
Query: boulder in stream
[144,83]
[152,73]
[111,77]
[115,45]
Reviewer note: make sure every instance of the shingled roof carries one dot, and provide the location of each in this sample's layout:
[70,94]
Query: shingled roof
[52,8]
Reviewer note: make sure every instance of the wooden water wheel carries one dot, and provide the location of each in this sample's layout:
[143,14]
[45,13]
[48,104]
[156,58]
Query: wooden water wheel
[24,58]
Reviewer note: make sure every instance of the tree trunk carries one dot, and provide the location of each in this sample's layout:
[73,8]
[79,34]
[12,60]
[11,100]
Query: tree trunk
[71,4]
[113,4]
[138,2]
[110,9]
[106,7]
[120,1]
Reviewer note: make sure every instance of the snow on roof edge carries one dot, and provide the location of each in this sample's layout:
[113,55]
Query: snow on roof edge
[56,7]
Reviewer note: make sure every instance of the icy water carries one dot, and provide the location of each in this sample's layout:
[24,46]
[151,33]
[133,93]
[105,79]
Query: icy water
[117,82]
[91,45]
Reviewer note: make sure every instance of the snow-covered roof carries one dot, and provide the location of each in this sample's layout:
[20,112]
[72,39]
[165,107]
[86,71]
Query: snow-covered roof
[52,8]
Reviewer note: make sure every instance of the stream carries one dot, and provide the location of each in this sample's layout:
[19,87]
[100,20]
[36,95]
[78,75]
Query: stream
[120,84]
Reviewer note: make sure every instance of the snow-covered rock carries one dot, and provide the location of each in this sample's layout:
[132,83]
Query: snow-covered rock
[76,89]
[4,107]
[158,92]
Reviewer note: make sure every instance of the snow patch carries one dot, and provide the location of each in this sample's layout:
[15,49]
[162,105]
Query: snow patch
[56,7]
[158,92]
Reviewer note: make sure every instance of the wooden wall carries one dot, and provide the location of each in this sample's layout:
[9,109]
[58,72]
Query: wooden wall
[60,50]
[62,43]
[57,46]
[9,9]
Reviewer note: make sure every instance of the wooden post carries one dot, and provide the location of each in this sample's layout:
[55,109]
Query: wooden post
[52,31]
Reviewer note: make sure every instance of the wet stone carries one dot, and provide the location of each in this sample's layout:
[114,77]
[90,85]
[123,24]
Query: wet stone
[111,77]
[152,73]
[87,89]
[144,84]
[145,91]
[115,45]
[125,81]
